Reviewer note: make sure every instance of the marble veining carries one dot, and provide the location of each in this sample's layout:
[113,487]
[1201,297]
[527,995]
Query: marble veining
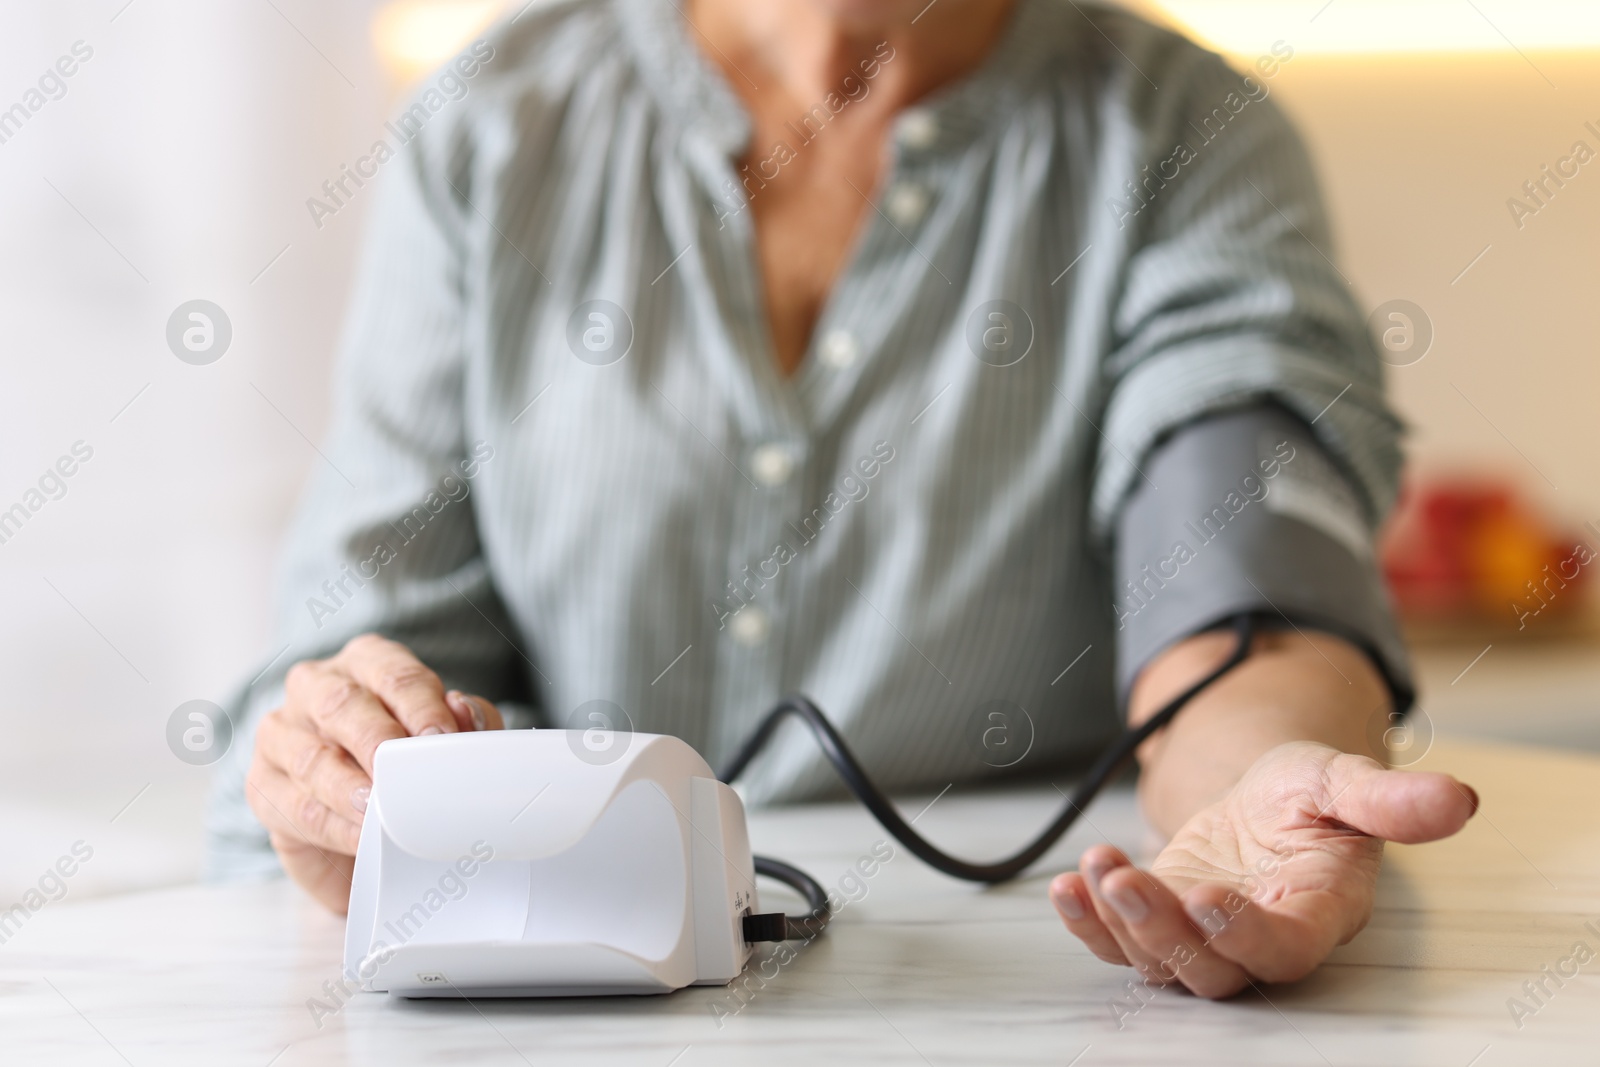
[919,970]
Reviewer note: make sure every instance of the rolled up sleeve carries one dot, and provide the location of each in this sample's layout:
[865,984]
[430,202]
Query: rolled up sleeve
[1232,297]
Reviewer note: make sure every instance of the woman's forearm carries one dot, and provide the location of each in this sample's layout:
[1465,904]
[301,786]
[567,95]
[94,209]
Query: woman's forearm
[1296,686]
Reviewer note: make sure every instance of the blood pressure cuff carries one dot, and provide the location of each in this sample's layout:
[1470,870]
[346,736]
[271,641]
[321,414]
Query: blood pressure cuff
[1240,512]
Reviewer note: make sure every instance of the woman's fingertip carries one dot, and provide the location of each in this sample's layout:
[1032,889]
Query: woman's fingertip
[1065,897]
[1128,902]
[1097,862]
[465,709]
[1209,914]
[1472,795]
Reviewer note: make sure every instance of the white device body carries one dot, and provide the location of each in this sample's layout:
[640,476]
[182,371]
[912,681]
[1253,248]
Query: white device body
[520,863]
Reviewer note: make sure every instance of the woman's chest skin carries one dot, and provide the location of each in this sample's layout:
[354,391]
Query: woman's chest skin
[810,192]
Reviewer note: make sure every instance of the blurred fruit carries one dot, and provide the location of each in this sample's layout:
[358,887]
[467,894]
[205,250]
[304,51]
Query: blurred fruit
[1471,549]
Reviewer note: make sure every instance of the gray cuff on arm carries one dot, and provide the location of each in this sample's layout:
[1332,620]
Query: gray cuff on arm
[1250,515]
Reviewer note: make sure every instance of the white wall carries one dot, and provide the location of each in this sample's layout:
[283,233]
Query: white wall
[1419,156]
[189,141]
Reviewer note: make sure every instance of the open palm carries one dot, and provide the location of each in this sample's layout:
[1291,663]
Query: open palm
[1261,885]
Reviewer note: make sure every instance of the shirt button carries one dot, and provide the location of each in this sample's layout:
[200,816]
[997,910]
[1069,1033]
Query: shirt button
[772,465]
[839,349]
[749,627]
[918,129]
[906,203]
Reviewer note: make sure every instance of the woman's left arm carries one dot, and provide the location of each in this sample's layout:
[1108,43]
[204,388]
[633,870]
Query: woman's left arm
[1277,808]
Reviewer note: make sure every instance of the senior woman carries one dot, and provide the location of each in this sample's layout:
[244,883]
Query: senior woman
[942,361]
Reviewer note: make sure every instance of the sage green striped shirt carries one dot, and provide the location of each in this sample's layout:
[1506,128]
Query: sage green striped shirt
[567,471]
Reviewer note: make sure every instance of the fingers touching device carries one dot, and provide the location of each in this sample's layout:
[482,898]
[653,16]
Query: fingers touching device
[532,863]
[524,863]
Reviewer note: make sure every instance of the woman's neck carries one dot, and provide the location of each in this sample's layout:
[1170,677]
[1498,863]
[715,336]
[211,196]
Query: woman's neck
[804,49]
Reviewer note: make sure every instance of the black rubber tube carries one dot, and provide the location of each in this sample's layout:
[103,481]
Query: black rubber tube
[1100,774]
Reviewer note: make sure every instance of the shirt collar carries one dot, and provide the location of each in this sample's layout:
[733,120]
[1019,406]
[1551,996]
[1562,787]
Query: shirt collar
[692,93]
[972,106]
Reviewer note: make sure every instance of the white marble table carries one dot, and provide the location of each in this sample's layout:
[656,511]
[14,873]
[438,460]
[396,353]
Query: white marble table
[921,970]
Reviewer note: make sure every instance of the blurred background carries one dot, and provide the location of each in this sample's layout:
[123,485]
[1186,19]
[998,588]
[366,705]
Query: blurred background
[175,162]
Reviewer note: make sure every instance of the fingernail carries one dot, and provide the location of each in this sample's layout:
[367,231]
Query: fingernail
[358,797]
[462,704]
[1129,903]
[1473,795]
[1094,874]
[1068,905]
[426,730]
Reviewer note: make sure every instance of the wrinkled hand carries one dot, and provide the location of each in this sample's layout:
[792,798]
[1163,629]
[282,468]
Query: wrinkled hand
[312,771]
[1261,885]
